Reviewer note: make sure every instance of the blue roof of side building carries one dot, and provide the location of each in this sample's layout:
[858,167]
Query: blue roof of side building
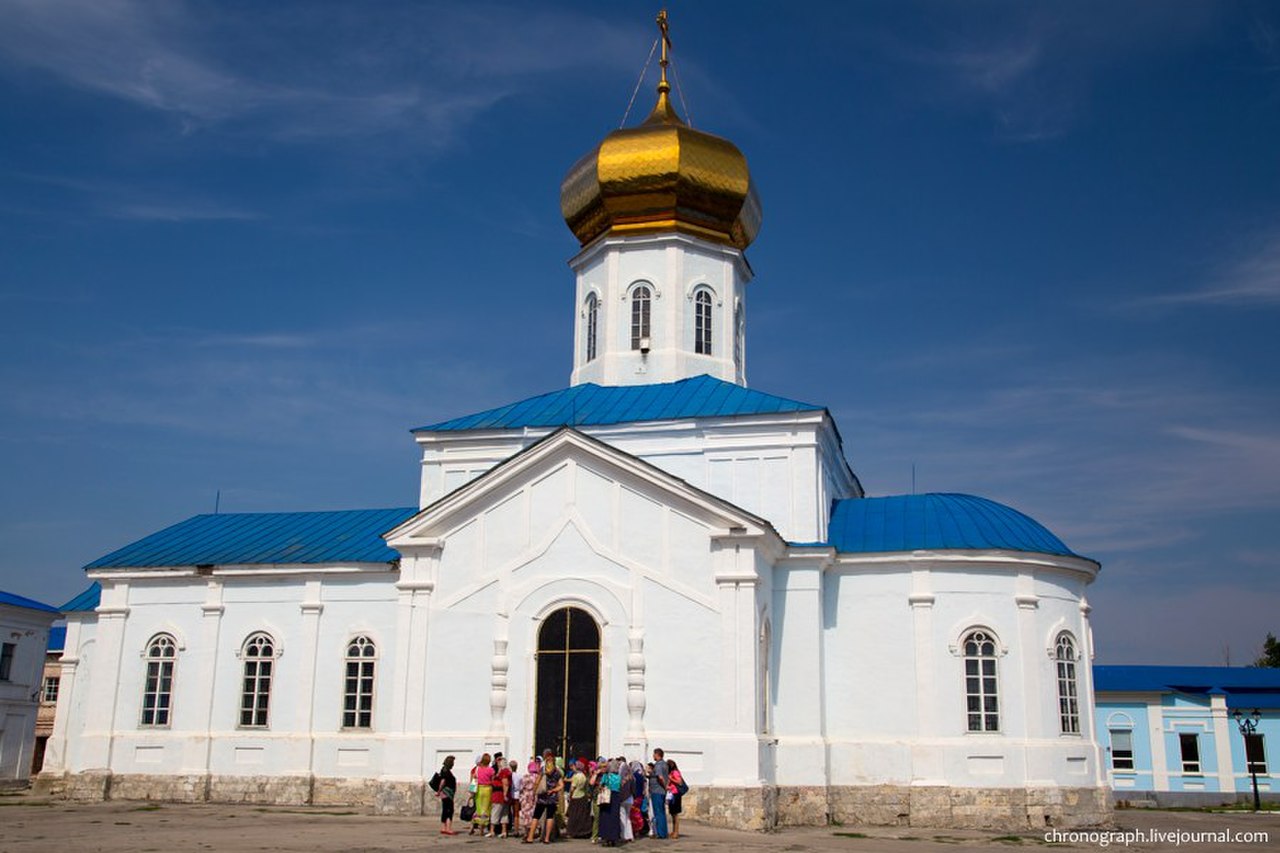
[346,536]
[1243,686]
[596,405]
[22,601]
[87,600]
[57,638]
[931,522]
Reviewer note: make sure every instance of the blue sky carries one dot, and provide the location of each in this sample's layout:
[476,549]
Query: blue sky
[1032,249]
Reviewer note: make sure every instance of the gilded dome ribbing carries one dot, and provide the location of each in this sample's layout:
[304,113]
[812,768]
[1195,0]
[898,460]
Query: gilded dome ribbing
[662,176]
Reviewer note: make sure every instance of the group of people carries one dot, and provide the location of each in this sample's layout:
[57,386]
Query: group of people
[611,801]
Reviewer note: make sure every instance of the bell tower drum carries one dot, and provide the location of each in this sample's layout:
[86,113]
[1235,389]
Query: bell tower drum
[663,213]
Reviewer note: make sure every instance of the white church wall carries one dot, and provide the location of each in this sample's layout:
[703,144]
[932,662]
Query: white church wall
[786,468]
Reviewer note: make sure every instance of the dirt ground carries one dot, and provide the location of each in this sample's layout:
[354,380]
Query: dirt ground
[29,823]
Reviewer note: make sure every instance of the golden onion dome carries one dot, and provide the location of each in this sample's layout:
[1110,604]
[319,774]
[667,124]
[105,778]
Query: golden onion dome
[662,175]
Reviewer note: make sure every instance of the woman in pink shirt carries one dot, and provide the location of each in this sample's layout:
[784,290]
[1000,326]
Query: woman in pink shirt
[484,795]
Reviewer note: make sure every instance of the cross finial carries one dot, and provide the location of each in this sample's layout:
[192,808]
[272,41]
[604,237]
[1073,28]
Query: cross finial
[663,86]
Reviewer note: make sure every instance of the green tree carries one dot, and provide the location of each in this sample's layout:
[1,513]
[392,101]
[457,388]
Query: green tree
[1270,652]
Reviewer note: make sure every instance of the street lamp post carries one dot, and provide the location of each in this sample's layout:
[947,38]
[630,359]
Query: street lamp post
[1248,728]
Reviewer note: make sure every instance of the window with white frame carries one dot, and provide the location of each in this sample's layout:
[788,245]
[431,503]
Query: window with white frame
[259,655]
[1121,749]
[357,691]
[49,690]
[1255,754]
[1189,745]
[1068,696]
[981,691]
[641,296]
[593,325]
[702,322]
[7,652]
[157,686]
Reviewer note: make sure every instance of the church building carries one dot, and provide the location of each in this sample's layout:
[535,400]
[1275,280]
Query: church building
[656,555]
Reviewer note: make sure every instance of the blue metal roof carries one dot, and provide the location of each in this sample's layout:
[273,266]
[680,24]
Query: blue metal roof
[931,522]
[1243,686]
[87,600]
[22,601]
[57,638]
[593,405]
[347,536]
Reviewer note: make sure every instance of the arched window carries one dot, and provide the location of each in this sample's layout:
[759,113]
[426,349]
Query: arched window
[593,325]
[981,692]
[357,691]
[640,298]
[259,654]
[739,328]
[702,323]
[157,689]
[1064,656]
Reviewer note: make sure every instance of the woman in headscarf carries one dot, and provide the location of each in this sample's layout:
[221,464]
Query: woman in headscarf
[610,800]
[528,800]
[483,780]
[578,818]
[624,799]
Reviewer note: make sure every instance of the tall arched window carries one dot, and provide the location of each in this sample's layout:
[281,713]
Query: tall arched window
[981,691]
[702,323]
[593,325]
[357,691]
[640,298]
[157,689]
[739,328]
[259,655]
[1068,697]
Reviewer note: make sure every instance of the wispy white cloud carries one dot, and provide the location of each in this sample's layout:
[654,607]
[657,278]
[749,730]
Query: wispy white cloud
[1033,67]
[1250,280]
[426,69]
[1117,457]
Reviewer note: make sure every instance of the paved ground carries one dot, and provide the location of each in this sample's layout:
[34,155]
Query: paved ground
[29,823]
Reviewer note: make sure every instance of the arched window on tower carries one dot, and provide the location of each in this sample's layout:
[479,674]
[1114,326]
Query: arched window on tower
[593,325]
[357,691]
[702,323]
[640,299]
[981,691]
[157,689]
[1064,655]
[259,655]
[739,329]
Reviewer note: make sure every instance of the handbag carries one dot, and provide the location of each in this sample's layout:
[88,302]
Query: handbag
[467,812]
[602,796]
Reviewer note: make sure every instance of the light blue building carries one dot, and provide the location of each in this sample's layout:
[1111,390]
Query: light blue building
[1170,734]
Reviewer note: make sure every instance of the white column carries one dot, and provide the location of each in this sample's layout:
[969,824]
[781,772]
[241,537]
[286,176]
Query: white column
[926,760]
[204,661]
[496,739]
[738,751]
[1155,731]
[1222,727]
[56,758]
[312,607]
[105,690]
[634,742]
[405,747]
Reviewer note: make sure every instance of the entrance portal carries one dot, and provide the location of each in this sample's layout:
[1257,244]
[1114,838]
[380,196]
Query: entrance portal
[568,700]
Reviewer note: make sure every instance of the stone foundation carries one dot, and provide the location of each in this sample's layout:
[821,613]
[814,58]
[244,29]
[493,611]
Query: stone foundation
[1010,809]
[757,809]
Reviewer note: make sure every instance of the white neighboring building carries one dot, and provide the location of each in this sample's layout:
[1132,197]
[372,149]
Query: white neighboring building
[653,556]
[24,633]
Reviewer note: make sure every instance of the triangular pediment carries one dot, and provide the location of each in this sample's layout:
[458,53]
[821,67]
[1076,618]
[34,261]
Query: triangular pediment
[564,447]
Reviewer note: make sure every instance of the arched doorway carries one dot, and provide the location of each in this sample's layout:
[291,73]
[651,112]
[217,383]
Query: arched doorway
[568,701]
